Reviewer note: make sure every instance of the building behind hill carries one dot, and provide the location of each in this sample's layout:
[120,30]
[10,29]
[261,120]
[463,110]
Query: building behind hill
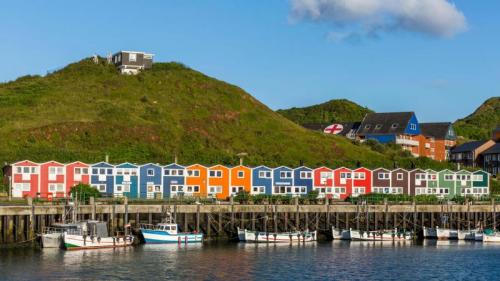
[131,62]
[433,140]
[469,154]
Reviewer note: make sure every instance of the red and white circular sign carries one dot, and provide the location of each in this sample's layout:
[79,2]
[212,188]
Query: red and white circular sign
[333,129]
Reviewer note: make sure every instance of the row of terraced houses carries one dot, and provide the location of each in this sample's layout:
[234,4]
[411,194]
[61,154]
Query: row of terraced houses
[54,180]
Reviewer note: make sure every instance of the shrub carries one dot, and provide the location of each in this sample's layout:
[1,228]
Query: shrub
[83,192]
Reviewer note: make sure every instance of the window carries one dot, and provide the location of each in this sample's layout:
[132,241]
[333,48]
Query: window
[132,57]
[413,126]
[215,174]
[265,174]
[394,125]
[259,189]
[420,176]
[119,188]
[126,188]
[241,174]
[359,176]
[378,126]
[383,176]
[285,174]
[367,126]
[399,176]
[345,175]
[102,187]
[448,177]
[431,176]
[478,177]
[193,173]
[150,172]
[215,189]
[173,188]
[305,175]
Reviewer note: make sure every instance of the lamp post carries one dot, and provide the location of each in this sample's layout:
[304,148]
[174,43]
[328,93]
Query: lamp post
[241,155]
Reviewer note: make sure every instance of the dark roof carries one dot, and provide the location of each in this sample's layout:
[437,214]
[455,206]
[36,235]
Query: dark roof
[347,127]
[385,123]
[467,147]
[495,149]
[435,130]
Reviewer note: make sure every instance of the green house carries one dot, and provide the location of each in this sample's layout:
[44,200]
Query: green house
[446,183]
[432,181]
[480,183]
[463,182]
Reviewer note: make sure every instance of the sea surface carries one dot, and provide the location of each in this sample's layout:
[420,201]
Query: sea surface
[338,260]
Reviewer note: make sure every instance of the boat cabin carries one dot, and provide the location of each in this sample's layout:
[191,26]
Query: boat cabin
[171,228]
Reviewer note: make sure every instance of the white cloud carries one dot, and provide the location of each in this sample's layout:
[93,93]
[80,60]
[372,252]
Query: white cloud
[438,18]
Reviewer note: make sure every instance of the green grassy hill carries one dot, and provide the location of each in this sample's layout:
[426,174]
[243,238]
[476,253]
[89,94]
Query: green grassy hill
[85,111]
[481,122]
[331,111]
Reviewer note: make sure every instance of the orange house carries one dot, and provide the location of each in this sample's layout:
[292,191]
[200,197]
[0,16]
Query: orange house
[196,180]
[218,182]
[241,179]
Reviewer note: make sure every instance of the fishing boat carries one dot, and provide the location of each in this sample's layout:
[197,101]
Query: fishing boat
[380,235]
[94,235]
[429,233]
[468,234]
[52,237]
[440,233]
[167,233]
[490,236]
[245,235]
[337,233]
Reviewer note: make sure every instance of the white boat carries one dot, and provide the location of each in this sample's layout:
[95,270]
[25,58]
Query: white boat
[167,233]
[446,234]
[337,233]
[478,236]
[94,235]
[382,235]
[490,236]
[52,237]
[430,233]
[245,235]
[468,234]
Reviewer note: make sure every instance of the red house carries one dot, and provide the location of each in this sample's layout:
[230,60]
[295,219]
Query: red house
[342,182]
[361,181]
[24,178]
[76,172]
[323,181]
[52,180]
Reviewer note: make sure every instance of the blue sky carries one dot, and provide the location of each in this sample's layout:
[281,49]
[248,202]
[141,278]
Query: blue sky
[281,58]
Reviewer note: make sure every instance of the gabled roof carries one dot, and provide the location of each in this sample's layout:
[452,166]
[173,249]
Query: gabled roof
[262,167]
[126,165]
[283,168]
[495,149]
[385,123]
[436,130]
[175,165]
[102,164]
[303,168]
[468,146]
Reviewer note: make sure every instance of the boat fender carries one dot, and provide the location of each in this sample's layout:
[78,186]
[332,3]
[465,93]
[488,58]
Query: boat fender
[84,239]
[98,239]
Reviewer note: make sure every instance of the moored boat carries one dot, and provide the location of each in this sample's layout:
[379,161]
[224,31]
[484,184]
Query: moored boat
[429,233]
[337,233]
[167,233]
[52,237]
[380,235]
[94,235]
[446,234]
[245,235]
[490,236]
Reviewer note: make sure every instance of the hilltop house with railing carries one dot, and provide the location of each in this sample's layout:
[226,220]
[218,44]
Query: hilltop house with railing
[131,62]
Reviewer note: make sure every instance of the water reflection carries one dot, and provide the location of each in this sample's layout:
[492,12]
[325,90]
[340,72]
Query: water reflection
[339,260]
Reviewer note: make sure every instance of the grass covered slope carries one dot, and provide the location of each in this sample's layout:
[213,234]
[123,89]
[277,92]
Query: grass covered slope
[481,122]
[85,111]
[340,110]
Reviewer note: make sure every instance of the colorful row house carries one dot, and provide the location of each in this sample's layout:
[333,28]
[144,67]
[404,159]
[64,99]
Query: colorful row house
[54,180]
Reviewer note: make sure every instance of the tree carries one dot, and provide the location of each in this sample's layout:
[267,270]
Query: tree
[84,192]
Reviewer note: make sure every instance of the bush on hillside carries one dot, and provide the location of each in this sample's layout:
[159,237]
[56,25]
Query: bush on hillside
[83,192]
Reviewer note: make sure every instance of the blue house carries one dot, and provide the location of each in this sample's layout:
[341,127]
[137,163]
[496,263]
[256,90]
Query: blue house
[387,127]
[174,180]
[302,180]
[126,180]
[282,180]
[150,181]
[102,178]
[262,180]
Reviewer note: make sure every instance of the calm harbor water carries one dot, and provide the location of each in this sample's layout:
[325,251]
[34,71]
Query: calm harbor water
[428,260]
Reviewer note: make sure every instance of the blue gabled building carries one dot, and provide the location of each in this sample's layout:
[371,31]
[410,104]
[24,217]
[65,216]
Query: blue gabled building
[302,180]
[173,180]
[126,180]
[150,181]
[102,177]
[397,127]
[262,180]
[282,180]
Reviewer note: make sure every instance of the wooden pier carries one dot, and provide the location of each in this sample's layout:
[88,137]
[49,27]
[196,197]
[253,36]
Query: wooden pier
[20,224]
